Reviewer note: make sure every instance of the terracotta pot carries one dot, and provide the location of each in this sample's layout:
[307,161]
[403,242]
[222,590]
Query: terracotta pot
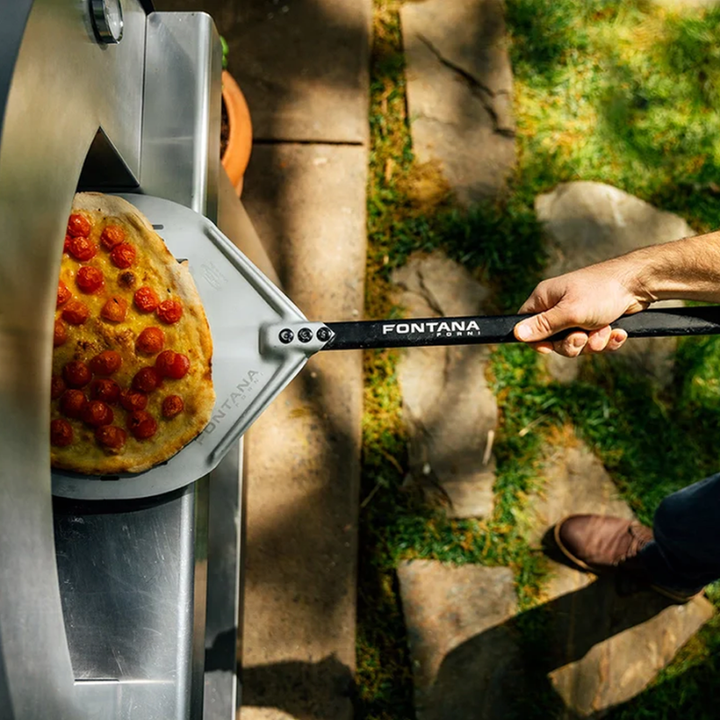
[237,152]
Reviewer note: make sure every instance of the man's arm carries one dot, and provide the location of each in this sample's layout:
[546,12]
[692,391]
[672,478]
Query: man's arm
[595,296]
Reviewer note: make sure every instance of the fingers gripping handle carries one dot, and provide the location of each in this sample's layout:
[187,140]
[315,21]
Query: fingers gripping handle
[425,332]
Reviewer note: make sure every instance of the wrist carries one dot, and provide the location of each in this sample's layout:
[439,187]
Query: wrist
[642,275]
[636,272]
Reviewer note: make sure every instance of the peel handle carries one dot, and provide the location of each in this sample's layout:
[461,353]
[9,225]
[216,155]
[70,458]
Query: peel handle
[474,330]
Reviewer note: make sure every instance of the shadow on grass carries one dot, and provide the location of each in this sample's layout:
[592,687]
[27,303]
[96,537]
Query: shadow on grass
[623,93]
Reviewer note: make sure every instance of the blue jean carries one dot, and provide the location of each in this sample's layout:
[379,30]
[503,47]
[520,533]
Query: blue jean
[686,551]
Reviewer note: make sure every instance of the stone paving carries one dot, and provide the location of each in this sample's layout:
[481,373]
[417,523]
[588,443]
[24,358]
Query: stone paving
[307,203]
[446,608]
[459,89]
[575,481]
[604,649]
[303,66]
[464,630]
[450,411]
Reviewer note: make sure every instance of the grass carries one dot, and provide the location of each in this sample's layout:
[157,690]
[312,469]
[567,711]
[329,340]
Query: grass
[622,93]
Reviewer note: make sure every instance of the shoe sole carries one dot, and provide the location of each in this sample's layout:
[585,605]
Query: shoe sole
[672,595]
[577,561]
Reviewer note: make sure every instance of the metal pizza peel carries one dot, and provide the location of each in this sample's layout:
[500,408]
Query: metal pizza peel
[261,341]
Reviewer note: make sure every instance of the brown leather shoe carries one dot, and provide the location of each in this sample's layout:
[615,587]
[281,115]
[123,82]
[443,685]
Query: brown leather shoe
[600,543]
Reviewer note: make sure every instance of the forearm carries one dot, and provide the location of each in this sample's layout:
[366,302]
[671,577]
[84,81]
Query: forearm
[593,297]
[687,269]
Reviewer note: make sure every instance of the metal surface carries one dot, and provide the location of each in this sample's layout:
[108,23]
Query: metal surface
[62,93]
[226,541]
[180,152]
[223,587]
[134,603]
[237,299]
[48,122]
[128,618]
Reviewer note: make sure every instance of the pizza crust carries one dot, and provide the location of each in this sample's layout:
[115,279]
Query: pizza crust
[157,267]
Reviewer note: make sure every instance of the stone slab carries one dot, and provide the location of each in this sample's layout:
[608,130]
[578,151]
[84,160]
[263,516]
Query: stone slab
[601,650]
[575,482]
[307,203]
[606,649]
[459,89]
[446,608]
[587,222]
[303,65]
[590,221]
[450,411]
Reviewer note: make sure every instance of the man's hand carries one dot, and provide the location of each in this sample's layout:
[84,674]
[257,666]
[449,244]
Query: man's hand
[591,299]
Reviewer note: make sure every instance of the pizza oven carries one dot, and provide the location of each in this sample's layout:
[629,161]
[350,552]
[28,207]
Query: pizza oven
[117,604]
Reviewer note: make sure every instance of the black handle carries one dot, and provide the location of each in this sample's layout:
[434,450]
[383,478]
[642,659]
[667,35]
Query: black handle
[423,332]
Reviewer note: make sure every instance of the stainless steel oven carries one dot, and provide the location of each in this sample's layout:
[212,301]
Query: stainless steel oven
[111,606]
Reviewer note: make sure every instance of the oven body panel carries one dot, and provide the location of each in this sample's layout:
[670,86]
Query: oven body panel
[129,581]
[46,133]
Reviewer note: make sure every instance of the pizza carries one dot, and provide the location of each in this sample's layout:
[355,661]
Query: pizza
[132,350]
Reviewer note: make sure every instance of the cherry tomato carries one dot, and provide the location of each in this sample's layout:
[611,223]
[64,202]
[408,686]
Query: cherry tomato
[164,362]
[133,400]
[78,226]
[111,236]
[81,248]
[142,424]
[89,279]
[170,311]
[97,413]
[63,294]
[76,374]
[172,405]
[75,312]
[72,403]
[146,299]
[66,244]
[106,390]
[111,436]
[115,309]
[123,255]
[106,363]
[57,387]
[59,333]
[61,433]
[172,365]
[150,341]
[146,380]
